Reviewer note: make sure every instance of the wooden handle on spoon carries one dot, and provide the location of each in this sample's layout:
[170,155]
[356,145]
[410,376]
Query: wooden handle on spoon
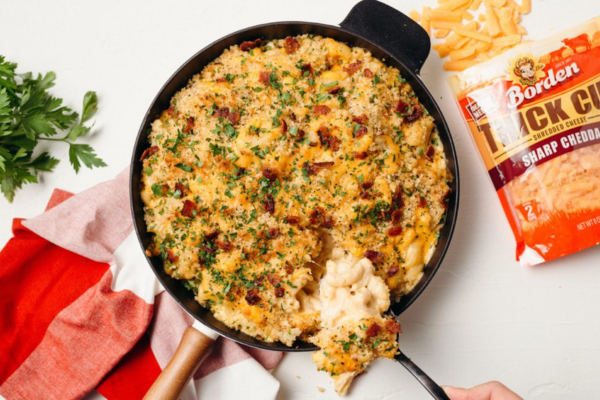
[190,353]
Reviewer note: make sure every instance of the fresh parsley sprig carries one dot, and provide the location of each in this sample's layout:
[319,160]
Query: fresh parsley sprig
[28,114]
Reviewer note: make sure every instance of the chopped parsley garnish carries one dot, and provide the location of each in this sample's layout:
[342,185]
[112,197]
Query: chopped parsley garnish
[321,97]
[184,167]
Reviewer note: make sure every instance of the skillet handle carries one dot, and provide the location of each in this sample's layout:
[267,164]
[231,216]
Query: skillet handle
[433,388]
[190,353]
[388,28]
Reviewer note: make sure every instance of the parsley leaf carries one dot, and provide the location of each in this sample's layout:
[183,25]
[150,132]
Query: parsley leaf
[83,153]
[184,167]
[28,115]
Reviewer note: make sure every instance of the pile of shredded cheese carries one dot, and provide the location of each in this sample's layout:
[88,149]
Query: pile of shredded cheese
[469,41]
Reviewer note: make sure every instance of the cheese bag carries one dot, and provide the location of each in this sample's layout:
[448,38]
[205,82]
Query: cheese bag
[534,115]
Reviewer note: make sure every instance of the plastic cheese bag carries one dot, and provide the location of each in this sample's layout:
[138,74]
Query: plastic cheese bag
[534,115]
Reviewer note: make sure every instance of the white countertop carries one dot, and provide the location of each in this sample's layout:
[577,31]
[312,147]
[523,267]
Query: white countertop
[482,318]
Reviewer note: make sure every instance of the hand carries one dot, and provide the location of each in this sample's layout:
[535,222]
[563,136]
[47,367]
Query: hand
[486,391]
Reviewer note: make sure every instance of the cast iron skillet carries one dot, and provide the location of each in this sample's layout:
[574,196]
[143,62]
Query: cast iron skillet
[391,37]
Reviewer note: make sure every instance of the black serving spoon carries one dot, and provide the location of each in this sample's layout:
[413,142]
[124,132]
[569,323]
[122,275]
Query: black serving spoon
[433,388]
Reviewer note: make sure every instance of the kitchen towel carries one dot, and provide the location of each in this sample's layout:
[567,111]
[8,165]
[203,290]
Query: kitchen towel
[82,311]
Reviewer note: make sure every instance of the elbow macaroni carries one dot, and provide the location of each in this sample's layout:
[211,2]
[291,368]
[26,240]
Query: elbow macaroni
[354,331]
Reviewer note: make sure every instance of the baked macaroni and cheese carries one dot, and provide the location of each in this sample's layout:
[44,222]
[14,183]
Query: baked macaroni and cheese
[272,156]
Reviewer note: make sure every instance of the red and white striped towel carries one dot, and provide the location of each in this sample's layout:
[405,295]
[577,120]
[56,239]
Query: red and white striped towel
[82,310]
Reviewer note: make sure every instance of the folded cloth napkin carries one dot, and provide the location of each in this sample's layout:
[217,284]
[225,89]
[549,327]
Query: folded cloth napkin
[82,310]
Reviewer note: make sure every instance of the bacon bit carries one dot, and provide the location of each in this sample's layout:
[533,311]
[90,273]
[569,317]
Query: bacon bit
[221,80]
[398,202]
[361,119]
[150,151]
[273,233]
[367,185]
[165,189]
[361,156]
[292,219]
[189,125]
[416,113]
[307,67]
[324,135]
[234,117]
[327,139]
[300,135]
[269,173]
[328,222]
[360,132]
[374,256]
[224,245]
[397,216]
[368,73]
[171,256]
[422,202]
[334,143]
[247,45]
[321,110]
[279,292]
[171,111]
[373,330]
[269,204]
[292,116]
[291,45]
[313,144]
[180,187]
[334,90]
[241,171]
[430,152]
[365,195]
[274,279]
[188,208]
[352,68]
[221,112]
[212,235]
[410,113]
[392,271]
[264,78]
[313,168]
[393,327]
[252,297]
[395,231]
[323,164]
[316,216]
[402,107]
[284,126]
[288,268]
[445,198]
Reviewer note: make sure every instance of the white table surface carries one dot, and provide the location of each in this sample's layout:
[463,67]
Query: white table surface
[482,318]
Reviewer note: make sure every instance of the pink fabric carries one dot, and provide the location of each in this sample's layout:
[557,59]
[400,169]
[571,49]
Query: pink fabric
[93,223]
[227,352]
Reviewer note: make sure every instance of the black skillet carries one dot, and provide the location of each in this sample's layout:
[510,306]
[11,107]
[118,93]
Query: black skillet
[391,37]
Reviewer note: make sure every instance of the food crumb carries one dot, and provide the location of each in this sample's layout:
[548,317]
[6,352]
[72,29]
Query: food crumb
[298,377]
[320,389]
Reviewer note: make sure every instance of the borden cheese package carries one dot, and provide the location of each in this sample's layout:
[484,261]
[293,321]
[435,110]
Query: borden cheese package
[534,115]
